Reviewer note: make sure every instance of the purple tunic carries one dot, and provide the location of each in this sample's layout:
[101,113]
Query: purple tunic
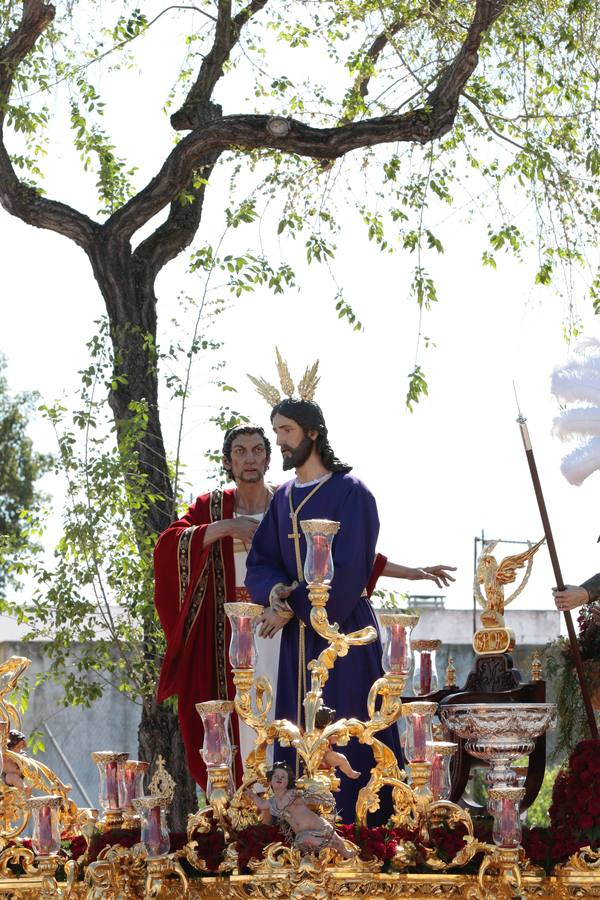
[272,559]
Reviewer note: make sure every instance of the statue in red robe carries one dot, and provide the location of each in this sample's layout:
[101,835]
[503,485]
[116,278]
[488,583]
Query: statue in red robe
[192,582]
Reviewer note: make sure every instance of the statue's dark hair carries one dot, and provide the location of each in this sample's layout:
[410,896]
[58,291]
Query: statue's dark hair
[234,432]
[287,769]
[324,717]
[309,416]
[14,737]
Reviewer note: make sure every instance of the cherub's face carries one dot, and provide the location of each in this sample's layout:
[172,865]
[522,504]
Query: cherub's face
[279,780]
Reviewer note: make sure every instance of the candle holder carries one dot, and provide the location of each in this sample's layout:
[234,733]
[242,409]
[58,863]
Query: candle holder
[507,817]
[45,839]
[154,831]
[318,565]
[439,779]
[425,678]
[216,751]
[134,771]
[505,857]
[418,745]
[110,792]
[242,646]
[397,655]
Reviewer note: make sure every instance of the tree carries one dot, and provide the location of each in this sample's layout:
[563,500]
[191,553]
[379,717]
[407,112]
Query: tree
[20,467]
[507,90]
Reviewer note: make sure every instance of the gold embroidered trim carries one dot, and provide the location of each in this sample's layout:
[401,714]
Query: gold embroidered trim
[216,515]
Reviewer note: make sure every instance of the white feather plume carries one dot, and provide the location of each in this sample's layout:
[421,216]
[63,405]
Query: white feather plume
[577,382]
[581,462]
[579,420]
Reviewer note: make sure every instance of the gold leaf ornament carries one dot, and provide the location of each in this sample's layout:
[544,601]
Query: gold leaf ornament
[285,379]
[306,387]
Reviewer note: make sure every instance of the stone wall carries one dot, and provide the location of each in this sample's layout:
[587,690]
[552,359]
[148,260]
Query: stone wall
[111,723]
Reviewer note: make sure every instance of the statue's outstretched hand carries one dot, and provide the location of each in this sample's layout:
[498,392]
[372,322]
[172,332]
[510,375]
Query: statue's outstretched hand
[439,574]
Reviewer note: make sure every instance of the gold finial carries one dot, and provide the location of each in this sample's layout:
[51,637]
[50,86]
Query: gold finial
[306,387]
[162,785]
[450,673]
[536,667]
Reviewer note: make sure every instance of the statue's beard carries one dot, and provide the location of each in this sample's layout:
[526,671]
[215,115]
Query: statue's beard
[298,455]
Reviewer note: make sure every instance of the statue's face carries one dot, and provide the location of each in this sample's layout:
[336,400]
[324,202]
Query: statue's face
[295,445]
[248,458]
[279,779]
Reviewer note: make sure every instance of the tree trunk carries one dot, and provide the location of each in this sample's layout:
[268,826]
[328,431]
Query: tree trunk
[128,289]
[159,734]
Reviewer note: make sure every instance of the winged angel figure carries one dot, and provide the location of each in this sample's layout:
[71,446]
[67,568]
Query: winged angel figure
[494,576]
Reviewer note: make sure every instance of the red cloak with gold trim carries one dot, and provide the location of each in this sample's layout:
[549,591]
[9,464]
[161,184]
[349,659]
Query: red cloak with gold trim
[191,585]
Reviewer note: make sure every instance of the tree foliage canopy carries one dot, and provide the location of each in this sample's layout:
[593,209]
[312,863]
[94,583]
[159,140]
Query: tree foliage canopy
[20,467]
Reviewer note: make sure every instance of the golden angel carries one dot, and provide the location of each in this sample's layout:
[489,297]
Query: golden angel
[493,576]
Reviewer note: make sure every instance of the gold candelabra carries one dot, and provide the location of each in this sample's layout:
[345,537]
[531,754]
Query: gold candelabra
[413,804]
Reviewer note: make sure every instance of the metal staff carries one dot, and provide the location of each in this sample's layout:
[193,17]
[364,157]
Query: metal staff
[557,574]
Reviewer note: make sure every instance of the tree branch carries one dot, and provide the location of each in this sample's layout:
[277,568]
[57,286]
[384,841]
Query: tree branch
[17,198]
[446,93]
[196,107]
[36,16]
[182,223]
[251,132]
[248,132]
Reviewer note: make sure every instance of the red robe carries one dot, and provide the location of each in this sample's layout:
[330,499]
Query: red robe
[191,585]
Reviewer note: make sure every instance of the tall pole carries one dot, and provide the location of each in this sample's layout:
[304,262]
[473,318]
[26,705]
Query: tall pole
[587,702]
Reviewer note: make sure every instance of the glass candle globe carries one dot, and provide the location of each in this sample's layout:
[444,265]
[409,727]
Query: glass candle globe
[45,839]
[318,565]
[216,748]
[507,819]
[133,781]
[397,656]
[110,771]
[154,834]
[242,646]
[425,678]
[440,782]
[419,737]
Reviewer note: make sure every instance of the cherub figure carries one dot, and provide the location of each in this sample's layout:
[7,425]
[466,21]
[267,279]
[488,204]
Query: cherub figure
[333,759]
[290,807]
[11,773]
[494,576]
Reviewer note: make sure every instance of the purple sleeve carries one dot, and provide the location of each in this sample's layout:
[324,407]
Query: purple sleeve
[264,566]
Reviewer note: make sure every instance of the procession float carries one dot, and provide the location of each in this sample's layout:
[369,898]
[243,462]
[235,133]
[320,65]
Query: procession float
[436,843]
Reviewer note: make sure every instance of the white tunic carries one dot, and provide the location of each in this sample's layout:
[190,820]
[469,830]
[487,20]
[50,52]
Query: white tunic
[267,663]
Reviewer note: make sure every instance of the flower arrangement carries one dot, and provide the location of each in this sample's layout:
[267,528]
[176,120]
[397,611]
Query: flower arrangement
[560,668]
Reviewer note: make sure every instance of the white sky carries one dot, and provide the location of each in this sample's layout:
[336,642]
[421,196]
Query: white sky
[441,475]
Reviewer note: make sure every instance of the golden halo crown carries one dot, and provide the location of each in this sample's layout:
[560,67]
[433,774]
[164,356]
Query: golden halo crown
[306,386]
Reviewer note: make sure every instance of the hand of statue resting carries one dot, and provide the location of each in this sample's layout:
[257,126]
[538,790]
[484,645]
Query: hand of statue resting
[572,597]
[271,622]
[439,574]
[243,528]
